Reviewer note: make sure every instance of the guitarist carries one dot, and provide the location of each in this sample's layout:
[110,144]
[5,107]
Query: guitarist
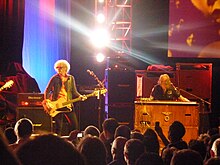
[62,85]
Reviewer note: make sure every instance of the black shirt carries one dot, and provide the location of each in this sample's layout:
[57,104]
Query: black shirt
[170,94]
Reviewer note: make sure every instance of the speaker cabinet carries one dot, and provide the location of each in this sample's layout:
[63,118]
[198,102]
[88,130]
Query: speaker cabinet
[41,120]
[195,78]
[119,100]
[123,113]
[120,85]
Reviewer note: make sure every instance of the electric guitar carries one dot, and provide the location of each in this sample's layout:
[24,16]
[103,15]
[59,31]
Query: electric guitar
[8,84]
[62,106]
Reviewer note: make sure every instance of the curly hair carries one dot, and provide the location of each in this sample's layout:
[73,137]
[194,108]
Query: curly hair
[61,63]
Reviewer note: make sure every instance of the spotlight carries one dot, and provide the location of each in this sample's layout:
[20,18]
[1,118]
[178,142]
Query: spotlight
[100,57]
[100,38]
[100,18]
[101,1]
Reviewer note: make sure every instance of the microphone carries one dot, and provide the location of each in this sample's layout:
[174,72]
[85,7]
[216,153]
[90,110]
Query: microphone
[176,88]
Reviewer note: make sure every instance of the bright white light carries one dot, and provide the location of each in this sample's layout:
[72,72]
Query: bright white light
[101,1]
[100,57]
[100,18]
[100,38]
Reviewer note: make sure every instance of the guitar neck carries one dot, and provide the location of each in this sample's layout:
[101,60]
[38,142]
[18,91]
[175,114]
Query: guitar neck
[3,87]
[76,99]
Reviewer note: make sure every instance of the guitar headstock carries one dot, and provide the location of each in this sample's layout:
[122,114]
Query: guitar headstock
[8,84]
[100,91]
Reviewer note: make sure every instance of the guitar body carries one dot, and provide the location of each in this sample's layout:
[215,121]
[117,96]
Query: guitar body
[55,107]
[63,106]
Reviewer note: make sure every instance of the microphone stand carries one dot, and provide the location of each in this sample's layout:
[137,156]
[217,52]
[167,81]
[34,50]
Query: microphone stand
[100,84]
[199,98]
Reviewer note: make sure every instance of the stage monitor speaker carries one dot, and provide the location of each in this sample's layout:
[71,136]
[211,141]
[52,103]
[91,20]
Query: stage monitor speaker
[41,120]
[120,85]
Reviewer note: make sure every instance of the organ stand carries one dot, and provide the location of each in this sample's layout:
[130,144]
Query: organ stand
[147,113]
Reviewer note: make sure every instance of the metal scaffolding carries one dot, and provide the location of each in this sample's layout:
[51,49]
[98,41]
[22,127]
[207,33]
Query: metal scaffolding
[119,24]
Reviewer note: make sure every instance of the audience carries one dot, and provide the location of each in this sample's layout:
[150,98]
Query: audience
[209,146]
[72,137]
[175,134]
[198,146]
[116,145]
[151,142]
[6,156]
[107,136]
[91,130]
[93,150]
[137,135]
[186,157]
[132,150]
[10,135]
[124,131]
[215,150]
[149,158]
[212,131]
[23,130]
[167,155]
[213,161]
[49,150]
[117,151]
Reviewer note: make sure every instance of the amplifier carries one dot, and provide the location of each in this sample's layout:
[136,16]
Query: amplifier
[41,121]
[30,99]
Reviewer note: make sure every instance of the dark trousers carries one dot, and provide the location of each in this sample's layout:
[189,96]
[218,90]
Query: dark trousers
[60,119]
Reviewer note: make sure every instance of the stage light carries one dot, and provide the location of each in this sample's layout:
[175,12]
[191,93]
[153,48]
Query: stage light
[100,18]
[101,1]
[100,38]
[100,57]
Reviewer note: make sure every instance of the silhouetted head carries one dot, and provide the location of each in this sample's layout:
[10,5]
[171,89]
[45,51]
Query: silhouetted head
[91,130]
[137,135]
[93,150]
[176,131]
[10,135]
[109,126]
[49,149]
[23,128]
[151,141]
[186,157]
[198,146]
[117,149]
[124,131]
[132,150]
[149,158]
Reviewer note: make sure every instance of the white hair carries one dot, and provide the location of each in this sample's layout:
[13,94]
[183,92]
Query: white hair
[64,62]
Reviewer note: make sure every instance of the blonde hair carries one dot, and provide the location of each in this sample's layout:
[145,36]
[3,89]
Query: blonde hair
[164,77]
[62,62]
